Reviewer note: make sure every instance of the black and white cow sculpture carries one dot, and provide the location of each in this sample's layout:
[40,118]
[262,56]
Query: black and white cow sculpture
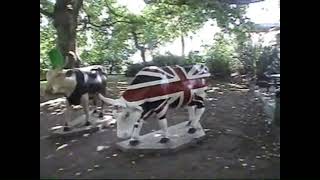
[154,90]
[78,86]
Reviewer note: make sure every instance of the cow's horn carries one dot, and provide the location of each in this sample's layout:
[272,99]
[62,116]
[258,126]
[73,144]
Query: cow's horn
[114,102]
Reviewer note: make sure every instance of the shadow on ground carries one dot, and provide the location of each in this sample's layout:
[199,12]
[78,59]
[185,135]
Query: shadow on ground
[239,143]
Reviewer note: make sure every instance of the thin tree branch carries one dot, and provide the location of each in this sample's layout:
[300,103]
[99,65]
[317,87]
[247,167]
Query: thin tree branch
[136,41]
[46,13]
[88,21]
[112,11]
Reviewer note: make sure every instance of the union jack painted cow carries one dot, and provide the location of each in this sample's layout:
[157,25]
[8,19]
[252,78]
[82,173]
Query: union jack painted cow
[154,90]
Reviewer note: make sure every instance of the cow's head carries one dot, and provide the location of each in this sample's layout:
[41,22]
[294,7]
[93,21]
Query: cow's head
[125,115]
[60,81]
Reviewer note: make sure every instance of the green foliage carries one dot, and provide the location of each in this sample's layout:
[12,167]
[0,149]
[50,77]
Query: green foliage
[47,43]
[111,29]
[167,60]
[219,67]
[269,61]
[220,56]
[133,69]
[194,58]
[248,55]
[159,60]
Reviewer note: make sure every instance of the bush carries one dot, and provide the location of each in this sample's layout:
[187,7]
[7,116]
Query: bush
[194,58]
[219,67]
[269,61]
[133,69]
[168,60]
[160,60]
[220,56]
[248,56]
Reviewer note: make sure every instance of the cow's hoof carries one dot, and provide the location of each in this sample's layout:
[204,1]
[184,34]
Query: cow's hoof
[95,111]
[100,115]
[87,123]
[192,130]
[164,140]
[188,124]
[66,128]
[133,142]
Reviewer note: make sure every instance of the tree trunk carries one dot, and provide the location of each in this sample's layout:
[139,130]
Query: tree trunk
[143,54]
[182,46]
[65,21]
[142,49]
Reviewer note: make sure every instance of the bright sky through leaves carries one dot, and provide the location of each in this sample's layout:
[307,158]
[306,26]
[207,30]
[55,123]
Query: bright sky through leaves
[267,11]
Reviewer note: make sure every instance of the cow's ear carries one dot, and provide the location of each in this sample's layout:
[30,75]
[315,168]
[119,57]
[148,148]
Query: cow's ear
[69,73]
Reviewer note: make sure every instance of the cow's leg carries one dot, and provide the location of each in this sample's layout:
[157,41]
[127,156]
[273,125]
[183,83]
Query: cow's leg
[94,100]
[85,105]
[199,110]
[134,140]
[162,121]
[101,111]
[102,103]
[67,117]
[196,124]
[191,112]
[164,128]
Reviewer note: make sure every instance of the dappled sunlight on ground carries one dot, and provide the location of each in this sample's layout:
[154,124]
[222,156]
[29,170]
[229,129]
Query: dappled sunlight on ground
[239,143]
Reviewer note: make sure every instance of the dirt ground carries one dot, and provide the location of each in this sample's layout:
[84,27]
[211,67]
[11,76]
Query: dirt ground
[239,143]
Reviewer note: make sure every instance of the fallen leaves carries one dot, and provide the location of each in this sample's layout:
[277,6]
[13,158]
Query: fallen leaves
[61,147]
[86,135]
[49,156]
[244,164]
[141,155]
[101,148]
[56,127]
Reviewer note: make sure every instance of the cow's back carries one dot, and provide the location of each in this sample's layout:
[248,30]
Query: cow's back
[170,82]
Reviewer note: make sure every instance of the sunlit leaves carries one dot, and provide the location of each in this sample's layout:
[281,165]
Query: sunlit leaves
[47,42]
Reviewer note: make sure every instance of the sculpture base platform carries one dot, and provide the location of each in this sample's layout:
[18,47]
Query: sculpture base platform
[179,139]
[78,128]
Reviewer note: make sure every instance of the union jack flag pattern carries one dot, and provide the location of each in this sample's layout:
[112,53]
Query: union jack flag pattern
[157,88]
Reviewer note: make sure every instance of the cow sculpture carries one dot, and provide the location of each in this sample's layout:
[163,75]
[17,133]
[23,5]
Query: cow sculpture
[155,90]
[78,86]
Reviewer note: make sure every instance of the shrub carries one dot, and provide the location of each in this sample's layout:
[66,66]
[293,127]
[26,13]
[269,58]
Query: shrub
[194,58]
[248,56]
[167,60]
[269,61]
[219,67]
[133,69]
[159,60]
[220,56]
